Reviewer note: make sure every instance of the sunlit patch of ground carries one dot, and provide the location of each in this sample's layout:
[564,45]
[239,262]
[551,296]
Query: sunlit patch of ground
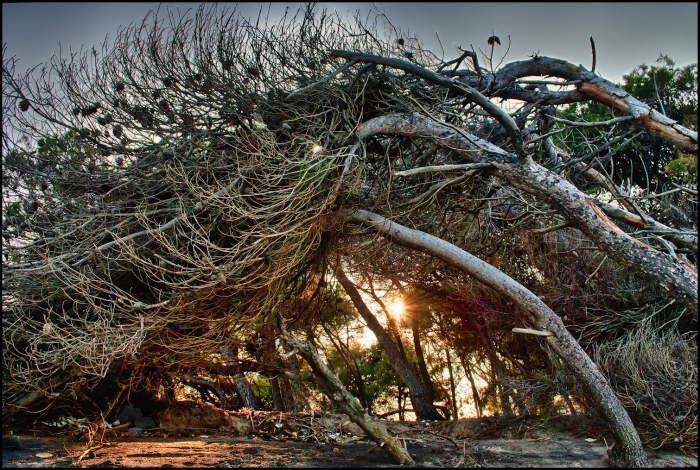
[558,442]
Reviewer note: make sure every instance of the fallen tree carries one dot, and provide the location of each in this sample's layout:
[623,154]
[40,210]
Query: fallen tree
[547,324]
[165,202]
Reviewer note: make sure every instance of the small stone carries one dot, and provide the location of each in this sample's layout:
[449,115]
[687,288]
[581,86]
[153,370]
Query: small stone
[335,449]
[44,455]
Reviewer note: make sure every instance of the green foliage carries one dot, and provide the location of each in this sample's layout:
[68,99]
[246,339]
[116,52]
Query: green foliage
[649,161]
[263,391]
[685,167]
[671,88]
[378,376]
[12,209]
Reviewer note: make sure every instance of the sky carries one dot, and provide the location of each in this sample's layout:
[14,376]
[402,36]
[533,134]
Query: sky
[625,34]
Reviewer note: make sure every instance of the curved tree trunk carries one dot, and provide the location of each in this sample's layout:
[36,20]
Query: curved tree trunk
[201,385]
[608,405]
[419,395]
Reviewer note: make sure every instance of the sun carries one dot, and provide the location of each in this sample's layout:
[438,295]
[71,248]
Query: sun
[397,308]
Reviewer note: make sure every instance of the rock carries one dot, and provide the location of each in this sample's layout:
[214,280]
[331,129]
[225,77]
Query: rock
[186,415]
[129,414]
[145,423]
[135,431]
[240,425]
[44,455]
[353,429]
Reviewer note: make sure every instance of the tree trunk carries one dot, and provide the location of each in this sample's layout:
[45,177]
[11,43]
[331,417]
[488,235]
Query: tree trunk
[561,341]
[475,391]
[243,389]
[276,392]
[290,404]
[390,322]
[422,366]
[348,404]
[245,392]
[452,384]
[419,395]
[296,384]
[289,387]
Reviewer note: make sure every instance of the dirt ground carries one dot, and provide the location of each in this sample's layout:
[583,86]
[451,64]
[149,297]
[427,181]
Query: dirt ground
[562,442]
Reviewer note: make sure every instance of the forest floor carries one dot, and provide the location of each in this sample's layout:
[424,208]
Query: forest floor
[562,441]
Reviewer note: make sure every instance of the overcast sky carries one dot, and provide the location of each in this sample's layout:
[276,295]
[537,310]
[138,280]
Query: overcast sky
[626,34]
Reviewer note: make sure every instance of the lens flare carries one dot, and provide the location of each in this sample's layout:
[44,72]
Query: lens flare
[397,308]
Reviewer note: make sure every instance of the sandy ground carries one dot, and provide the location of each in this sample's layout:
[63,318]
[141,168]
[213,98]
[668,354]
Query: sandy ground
[256,452]
[460,443]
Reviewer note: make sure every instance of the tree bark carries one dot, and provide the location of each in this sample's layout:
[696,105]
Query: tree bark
[276,393]
[422,366]
[452,384]
[338,394]
[590,87]
[579,210]
[296,384]
[243,389]
[289,387]
[419,395]
[245,392]
[475,391]
[561,341]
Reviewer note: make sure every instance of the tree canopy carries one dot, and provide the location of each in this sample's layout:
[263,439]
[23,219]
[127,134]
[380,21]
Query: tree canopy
[191,197]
